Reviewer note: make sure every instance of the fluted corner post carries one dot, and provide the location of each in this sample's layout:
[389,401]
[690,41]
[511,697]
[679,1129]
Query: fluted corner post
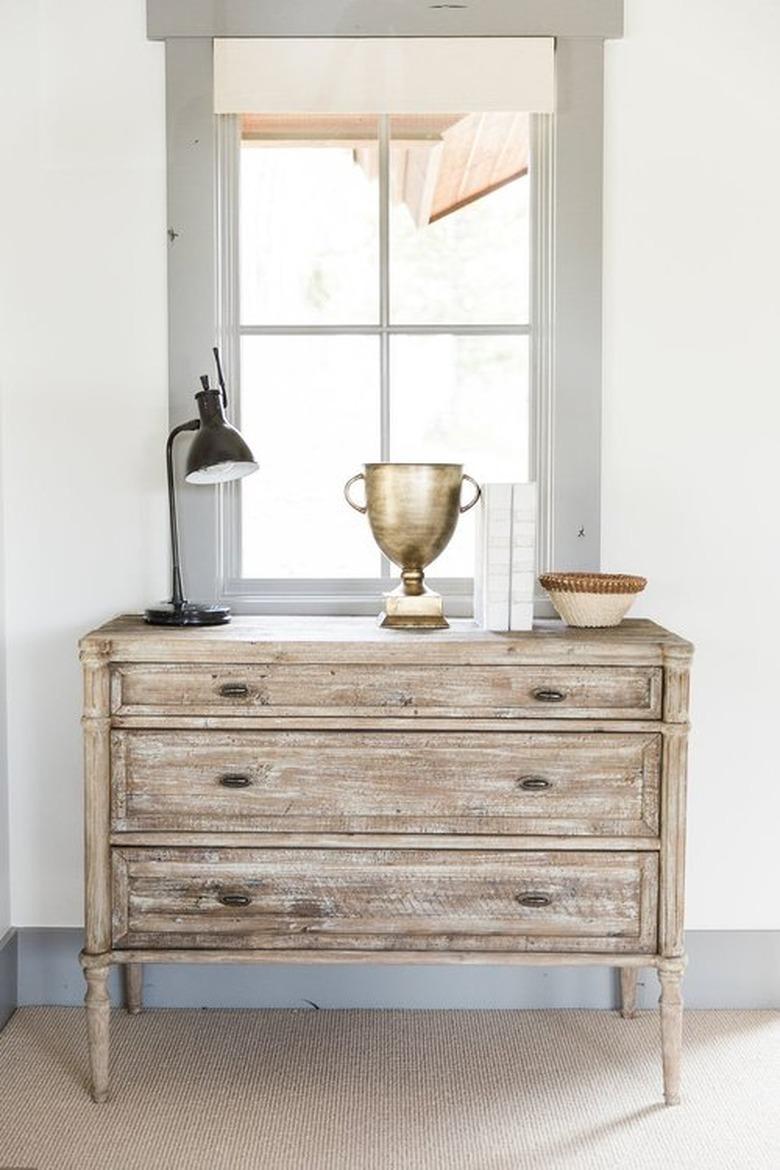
[671,964]
[674,770]
[670,973]
[96,723]
[672,961]
[673,806]
[96,958]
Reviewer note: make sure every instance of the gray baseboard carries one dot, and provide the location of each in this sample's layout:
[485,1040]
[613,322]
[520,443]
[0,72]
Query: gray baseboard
[727,969]
[9,969]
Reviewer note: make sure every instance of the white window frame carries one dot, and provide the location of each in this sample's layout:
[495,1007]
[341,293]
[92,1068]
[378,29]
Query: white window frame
[318,595]
[565,356]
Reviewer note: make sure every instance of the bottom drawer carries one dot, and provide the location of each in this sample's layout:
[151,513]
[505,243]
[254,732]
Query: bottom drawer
[384,899]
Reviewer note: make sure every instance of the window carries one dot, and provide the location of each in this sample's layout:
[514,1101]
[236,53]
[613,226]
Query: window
[553,347]
[384,295]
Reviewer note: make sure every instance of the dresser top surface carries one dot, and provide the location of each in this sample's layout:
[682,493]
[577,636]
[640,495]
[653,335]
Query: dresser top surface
[130,639]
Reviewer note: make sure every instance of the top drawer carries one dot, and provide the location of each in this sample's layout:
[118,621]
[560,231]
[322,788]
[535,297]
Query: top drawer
[338,689]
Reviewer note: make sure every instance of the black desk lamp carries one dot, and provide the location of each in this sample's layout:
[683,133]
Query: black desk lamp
[218,454]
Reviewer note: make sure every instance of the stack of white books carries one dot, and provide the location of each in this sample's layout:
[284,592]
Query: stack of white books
[506,556]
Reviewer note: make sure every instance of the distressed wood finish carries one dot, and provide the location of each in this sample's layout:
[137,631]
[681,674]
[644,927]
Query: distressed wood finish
[252,640]
[97,855]
[672,891]
[217,956]
[628,980]
[380,841]
[385,899]
[375,689]
[342,722]
[670,972]
[134,988]
[677,682]
[403,782]
[379,813]
[98,1005]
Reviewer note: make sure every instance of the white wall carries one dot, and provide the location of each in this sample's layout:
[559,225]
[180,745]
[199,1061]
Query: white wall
[692,382]
[83,370]
[5,837]
[692,329]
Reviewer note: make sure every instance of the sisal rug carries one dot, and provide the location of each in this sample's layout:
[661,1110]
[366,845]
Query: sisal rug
[390,1090]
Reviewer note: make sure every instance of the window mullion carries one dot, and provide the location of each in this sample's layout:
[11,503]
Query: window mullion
[227,139]
[384,283]
[384,299]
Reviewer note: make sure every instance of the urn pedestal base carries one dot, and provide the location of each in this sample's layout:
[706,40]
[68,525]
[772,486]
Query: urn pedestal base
[422,611]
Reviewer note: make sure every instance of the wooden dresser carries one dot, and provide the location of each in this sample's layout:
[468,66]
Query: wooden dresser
[303,789]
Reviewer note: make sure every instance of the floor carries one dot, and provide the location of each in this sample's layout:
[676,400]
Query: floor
[390,1090]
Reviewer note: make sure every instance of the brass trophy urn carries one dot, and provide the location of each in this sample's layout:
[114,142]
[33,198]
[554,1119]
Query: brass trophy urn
[412,509]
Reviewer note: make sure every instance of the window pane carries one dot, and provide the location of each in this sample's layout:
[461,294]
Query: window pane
[310,412]
[459,219]
[309,227]
[461,400]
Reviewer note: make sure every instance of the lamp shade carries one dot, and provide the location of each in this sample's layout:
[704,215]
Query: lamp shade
[218,452]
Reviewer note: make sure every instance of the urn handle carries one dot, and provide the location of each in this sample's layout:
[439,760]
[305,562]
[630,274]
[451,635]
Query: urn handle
[463,507]
[348,498]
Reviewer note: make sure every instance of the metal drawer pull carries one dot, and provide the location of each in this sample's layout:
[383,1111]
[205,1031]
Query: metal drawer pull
[534,899]
[234,690]
[534,783]
[228,899]
[235,780]
[549,696]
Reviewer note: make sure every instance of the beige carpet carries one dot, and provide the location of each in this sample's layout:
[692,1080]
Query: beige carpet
[308,1090]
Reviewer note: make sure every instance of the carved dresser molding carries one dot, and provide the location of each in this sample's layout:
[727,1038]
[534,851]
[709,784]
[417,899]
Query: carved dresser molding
[320,790]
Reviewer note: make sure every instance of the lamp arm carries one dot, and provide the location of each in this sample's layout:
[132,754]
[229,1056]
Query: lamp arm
[177,593]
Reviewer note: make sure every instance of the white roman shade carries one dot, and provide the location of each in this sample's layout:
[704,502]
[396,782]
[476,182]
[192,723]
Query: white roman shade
[384,75]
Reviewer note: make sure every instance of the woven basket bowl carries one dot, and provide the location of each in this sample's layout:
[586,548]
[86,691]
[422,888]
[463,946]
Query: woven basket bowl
[592,599]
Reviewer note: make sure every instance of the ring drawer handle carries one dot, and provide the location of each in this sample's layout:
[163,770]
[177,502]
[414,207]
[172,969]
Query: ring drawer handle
[234,690]
[534,783]
[546,695]
[534,899]
[235,780]
[230,899]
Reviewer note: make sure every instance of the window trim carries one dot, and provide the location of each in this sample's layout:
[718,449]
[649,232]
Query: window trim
[375,18]
[565,336]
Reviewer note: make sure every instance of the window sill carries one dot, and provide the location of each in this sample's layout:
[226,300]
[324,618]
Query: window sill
[359,598]
[346,598]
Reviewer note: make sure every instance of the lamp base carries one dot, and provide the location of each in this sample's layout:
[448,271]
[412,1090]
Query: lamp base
[189,613]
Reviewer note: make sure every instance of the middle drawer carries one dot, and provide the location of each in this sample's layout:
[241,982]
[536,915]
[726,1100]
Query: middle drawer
[562,783]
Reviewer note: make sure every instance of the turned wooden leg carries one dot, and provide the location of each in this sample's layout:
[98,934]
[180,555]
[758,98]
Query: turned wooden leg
[98,1016]
[134,988]
[670,975]
[628,978]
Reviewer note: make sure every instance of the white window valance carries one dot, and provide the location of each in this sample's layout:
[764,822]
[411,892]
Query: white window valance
[384,75]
